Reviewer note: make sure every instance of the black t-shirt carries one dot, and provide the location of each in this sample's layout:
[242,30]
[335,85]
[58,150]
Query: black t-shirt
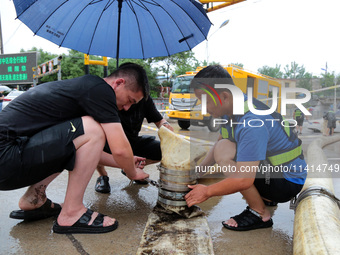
[55,102]
[132,119]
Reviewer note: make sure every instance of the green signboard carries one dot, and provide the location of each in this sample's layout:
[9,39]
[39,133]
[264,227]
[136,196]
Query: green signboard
[17,68]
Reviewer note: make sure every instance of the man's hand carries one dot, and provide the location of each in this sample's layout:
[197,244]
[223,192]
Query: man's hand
[139,162]
[140,175]
[197,195]
[168,126]
[164,123]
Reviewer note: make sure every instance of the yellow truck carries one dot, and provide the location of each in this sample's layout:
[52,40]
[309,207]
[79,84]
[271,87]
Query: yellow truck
[186,108]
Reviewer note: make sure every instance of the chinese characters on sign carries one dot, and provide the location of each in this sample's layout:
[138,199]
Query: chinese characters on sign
[17,68]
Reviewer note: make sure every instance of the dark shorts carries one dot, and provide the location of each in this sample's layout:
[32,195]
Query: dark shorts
[331,124]
[300,121]
[275,187]
[144,146]
[28,160]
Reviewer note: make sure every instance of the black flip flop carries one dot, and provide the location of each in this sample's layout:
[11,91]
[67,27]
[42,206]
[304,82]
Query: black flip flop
[43,212]
[102,184]
[249,220]
[81,226]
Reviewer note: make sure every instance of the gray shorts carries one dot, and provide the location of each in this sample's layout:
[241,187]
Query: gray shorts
[28,160]
[331,124]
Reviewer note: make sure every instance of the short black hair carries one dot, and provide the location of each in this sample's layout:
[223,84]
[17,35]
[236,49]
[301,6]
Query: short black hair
[138,73]
[213,71]
[209,75]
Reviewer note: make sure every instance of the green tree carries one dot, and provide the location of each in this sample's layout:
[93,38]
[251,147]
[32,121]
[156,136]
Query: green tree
[42,57]
[204,63]
[294,71]
[237,64]
[176,64]
[327,80]
[72,66]
[305,81]
[181,68]
[271,71]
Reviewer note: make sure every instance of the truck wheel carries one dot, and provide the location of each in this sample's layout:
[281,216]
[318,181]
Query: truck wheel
[211,126]
[184,124]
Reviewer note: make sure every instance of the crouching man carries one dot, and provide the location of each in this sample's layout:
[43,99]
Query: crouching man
[267,158]
[63,125]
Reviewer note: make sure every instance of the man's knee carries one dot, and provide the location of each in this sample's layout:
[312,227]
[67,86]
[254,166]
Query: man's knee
[224,151]
[93,130]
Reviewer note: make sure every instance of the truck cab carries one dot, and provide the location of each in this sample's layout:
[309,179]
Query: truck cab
[186,108]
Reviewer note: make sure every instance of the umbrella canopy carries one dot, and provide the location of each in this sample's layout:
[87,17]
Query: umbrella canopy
[118,28]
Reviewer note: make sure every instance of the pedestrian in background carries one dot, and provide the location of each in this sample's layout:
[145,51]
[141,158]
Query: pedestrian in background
[331,122]
[299,117]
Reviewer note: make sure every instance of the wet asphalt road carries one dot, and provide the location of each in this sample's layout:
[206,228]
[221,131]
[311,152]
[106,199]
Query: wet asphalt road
[131,206]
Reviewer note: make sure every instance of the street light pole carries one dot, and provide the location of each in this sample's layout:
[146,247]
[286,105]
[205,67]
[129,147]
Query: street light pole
[207,47]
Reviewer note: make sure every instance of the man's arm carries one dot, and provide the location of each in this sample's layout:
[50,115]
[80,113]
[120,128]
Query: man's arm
[106,159]
[242,179]
[121,150]
[164,123]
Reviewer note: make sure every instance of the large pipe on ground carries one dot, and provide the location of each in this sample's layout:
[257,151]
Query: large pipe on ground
[317,215]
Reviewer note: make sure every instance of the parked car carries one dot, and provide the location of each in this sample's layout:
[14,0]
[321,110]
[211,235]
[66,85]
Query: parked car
[5,88]
[13,94]
[317,125]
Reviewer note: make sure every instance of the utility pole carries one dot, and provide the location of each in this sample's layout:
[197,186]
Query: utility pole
[1,43]
[334,103]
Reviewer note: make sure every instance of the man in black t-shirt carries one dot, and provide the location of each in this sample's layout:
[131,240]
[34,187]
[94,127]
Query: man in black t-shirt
[144,146]
[63,125]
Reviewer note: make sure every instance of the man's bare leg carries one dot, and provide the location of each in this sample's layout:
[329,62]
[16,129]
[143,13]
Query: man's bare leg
[89,148]
[255,202]
[224,153]
[35,196]
[101,170]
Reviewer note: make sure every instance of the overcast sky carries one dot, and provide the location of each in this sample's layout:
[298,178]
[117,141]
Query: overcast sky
[259,32]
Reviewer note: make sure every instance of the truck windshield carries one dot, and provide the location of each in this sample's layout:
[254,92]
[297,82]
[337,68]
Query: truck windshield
[182,84]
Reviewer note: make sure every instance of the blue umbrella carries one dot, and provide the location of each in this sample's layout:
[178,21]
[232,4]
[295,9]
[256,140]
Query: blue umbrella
[117,28]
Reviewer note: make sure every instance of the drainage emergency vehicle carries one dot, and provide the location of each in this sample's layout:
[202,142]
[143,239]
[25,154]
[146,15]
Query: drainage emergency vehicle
[186,108]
